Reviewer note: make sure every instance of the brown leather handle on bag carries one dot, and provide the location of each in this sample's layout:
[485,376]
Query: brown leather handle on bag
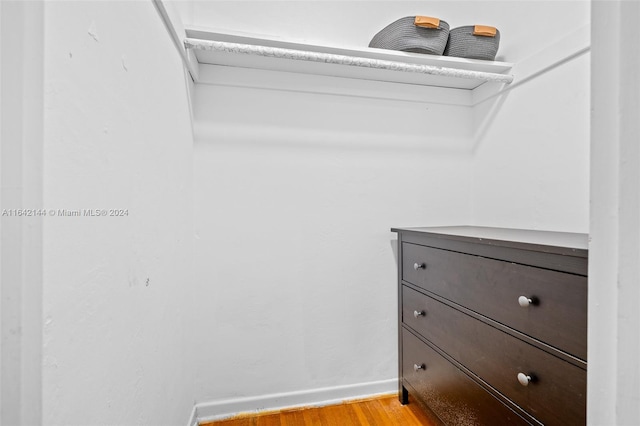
[427,22]
[485,31]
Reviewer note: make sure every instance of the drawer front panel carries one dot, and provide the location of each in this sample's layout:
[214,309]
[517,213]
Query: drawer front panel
[448,391]
[557,314]
[557,394]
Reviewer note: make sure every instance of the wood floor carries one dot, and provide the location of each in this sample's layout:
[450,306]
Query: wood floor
[375,412]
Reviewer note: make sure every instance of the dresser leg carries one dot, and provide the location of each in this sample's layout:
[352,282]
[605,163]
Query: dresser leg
[403,395]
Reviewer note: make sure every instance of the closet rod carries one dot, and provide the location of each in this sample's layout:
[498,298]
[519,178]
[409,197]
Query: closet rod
[355,61]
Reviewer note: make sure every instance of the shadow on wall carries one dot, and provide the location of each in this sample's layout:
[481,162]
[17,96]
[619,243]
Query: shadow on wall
[238,115]
[394,249]
[485,114]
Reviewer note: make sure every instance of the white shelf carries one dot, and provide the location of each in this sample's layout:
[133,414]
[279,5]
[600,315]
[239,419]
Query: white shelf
[245,51]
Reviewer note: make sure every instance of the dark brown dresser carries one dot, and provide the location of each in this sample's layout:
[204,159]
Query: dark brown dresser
[493,324]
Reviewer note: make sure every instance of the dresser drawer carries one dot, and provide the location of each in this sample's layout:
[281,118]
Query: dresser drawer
[557,394]
[450,393]
[556,316]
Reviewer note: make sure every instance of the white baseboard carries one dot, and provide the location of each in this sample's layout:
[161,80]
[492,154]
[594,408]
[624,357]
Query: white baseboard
[214,410]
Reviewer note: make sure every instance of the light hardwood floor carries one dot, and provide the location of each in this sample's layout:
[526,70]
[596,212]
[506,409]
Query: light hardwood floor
[375,412]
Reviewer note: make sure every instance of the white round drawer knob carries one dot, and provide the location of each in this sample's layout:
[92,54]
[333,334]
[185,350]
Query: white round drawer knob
[418,314]
[418,367]
[417,266]
[524,379]
[524,301]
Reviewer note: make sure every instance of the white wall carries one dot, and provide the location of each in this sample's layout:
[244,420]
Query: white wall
[21,125]
[295,192]
[614,251]
[525,26]
[294,197]
[118,298]
[531,163]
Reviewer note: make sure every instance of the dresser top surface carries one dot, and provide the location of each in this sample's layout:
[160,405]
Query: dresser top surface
[568,243]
